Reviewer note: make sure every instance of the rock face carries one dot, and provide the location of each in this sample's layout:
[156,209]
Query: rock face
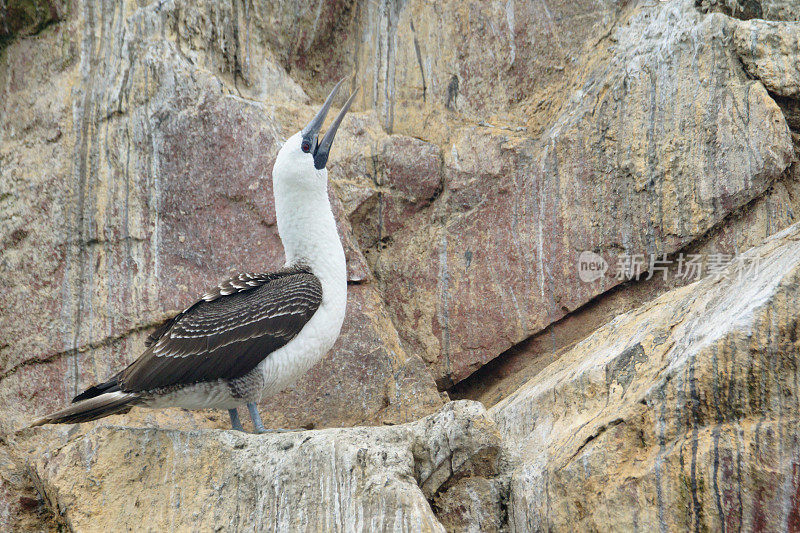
[21,17]
[492,144]
[679,415]
[155,184]
[633,163]
[770,51]
[359,479]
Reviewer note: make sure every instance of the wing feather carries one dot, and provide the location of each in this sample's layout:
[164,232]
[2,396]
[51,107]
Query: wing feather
[228,332]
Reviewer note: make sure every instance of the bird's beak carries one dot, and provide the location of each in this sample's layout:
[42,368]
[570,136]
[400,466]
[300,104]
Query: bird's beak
[322,149]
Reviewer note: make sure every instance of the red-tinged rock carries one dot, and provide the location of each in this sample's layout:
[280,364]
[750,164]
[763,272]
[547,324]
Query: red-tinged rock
[161,189]
[367,378]
[214,214]
[381,192]
[495,259]
[215,209]
[413,174]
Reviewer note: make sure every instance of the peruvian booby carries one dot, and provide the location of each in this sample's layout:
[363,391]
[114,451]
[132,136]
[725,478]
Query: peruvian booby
[254,334]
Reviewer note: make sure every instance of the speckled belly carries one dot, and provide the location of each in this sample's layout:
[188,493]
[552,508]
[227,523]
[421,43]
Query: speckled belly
[220,394]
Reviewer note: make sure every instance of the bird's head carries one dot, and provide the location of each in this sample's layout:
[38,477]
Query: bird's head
[302,159]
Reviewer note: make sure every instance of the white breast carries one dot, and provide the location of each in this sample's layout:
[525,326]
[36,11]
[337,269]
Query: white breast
[285,366]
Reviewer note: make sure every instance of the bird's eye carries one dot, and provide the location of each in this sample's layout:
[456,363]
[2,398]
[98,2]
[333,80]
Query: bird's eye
[305,146]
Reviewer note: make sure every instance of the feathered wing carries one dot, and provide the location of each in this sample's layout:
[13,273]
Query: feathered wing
[224,335]
[228,332]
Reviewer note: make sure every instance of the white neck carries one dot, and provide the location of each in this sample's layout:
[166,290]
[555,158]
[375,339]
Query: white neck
[308,232]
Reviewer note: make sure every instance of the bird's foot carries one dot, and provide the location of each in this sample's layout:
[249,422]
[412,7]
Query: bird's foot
[259,425]
[262,430]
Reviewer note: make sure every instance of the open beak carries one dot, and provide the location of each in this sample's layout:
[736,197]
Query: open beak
[310,132]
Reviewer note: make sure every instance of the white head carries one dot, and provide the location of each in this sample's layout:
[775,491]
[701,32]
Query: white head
[301,161]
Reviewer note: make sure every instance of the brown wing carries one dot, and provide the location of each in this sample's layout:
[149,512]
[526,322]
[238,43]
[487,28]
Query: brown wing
[227,333]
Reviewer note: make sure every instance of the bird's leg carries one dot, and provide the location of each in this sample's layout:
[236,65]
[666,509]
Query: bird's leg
[256,417]
[259,425]
[236,424]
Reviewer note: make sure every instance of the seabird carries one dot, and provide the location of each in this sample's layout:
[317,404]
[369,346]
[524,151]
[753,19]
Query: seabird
[254,334]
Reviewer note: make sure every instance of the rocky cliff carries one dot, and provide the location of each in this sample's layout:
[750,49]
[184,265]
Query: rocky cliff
[491,145]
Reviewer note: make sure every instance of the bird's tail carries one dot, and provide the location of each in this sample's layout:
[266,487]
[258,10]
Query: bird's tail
[109,403]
